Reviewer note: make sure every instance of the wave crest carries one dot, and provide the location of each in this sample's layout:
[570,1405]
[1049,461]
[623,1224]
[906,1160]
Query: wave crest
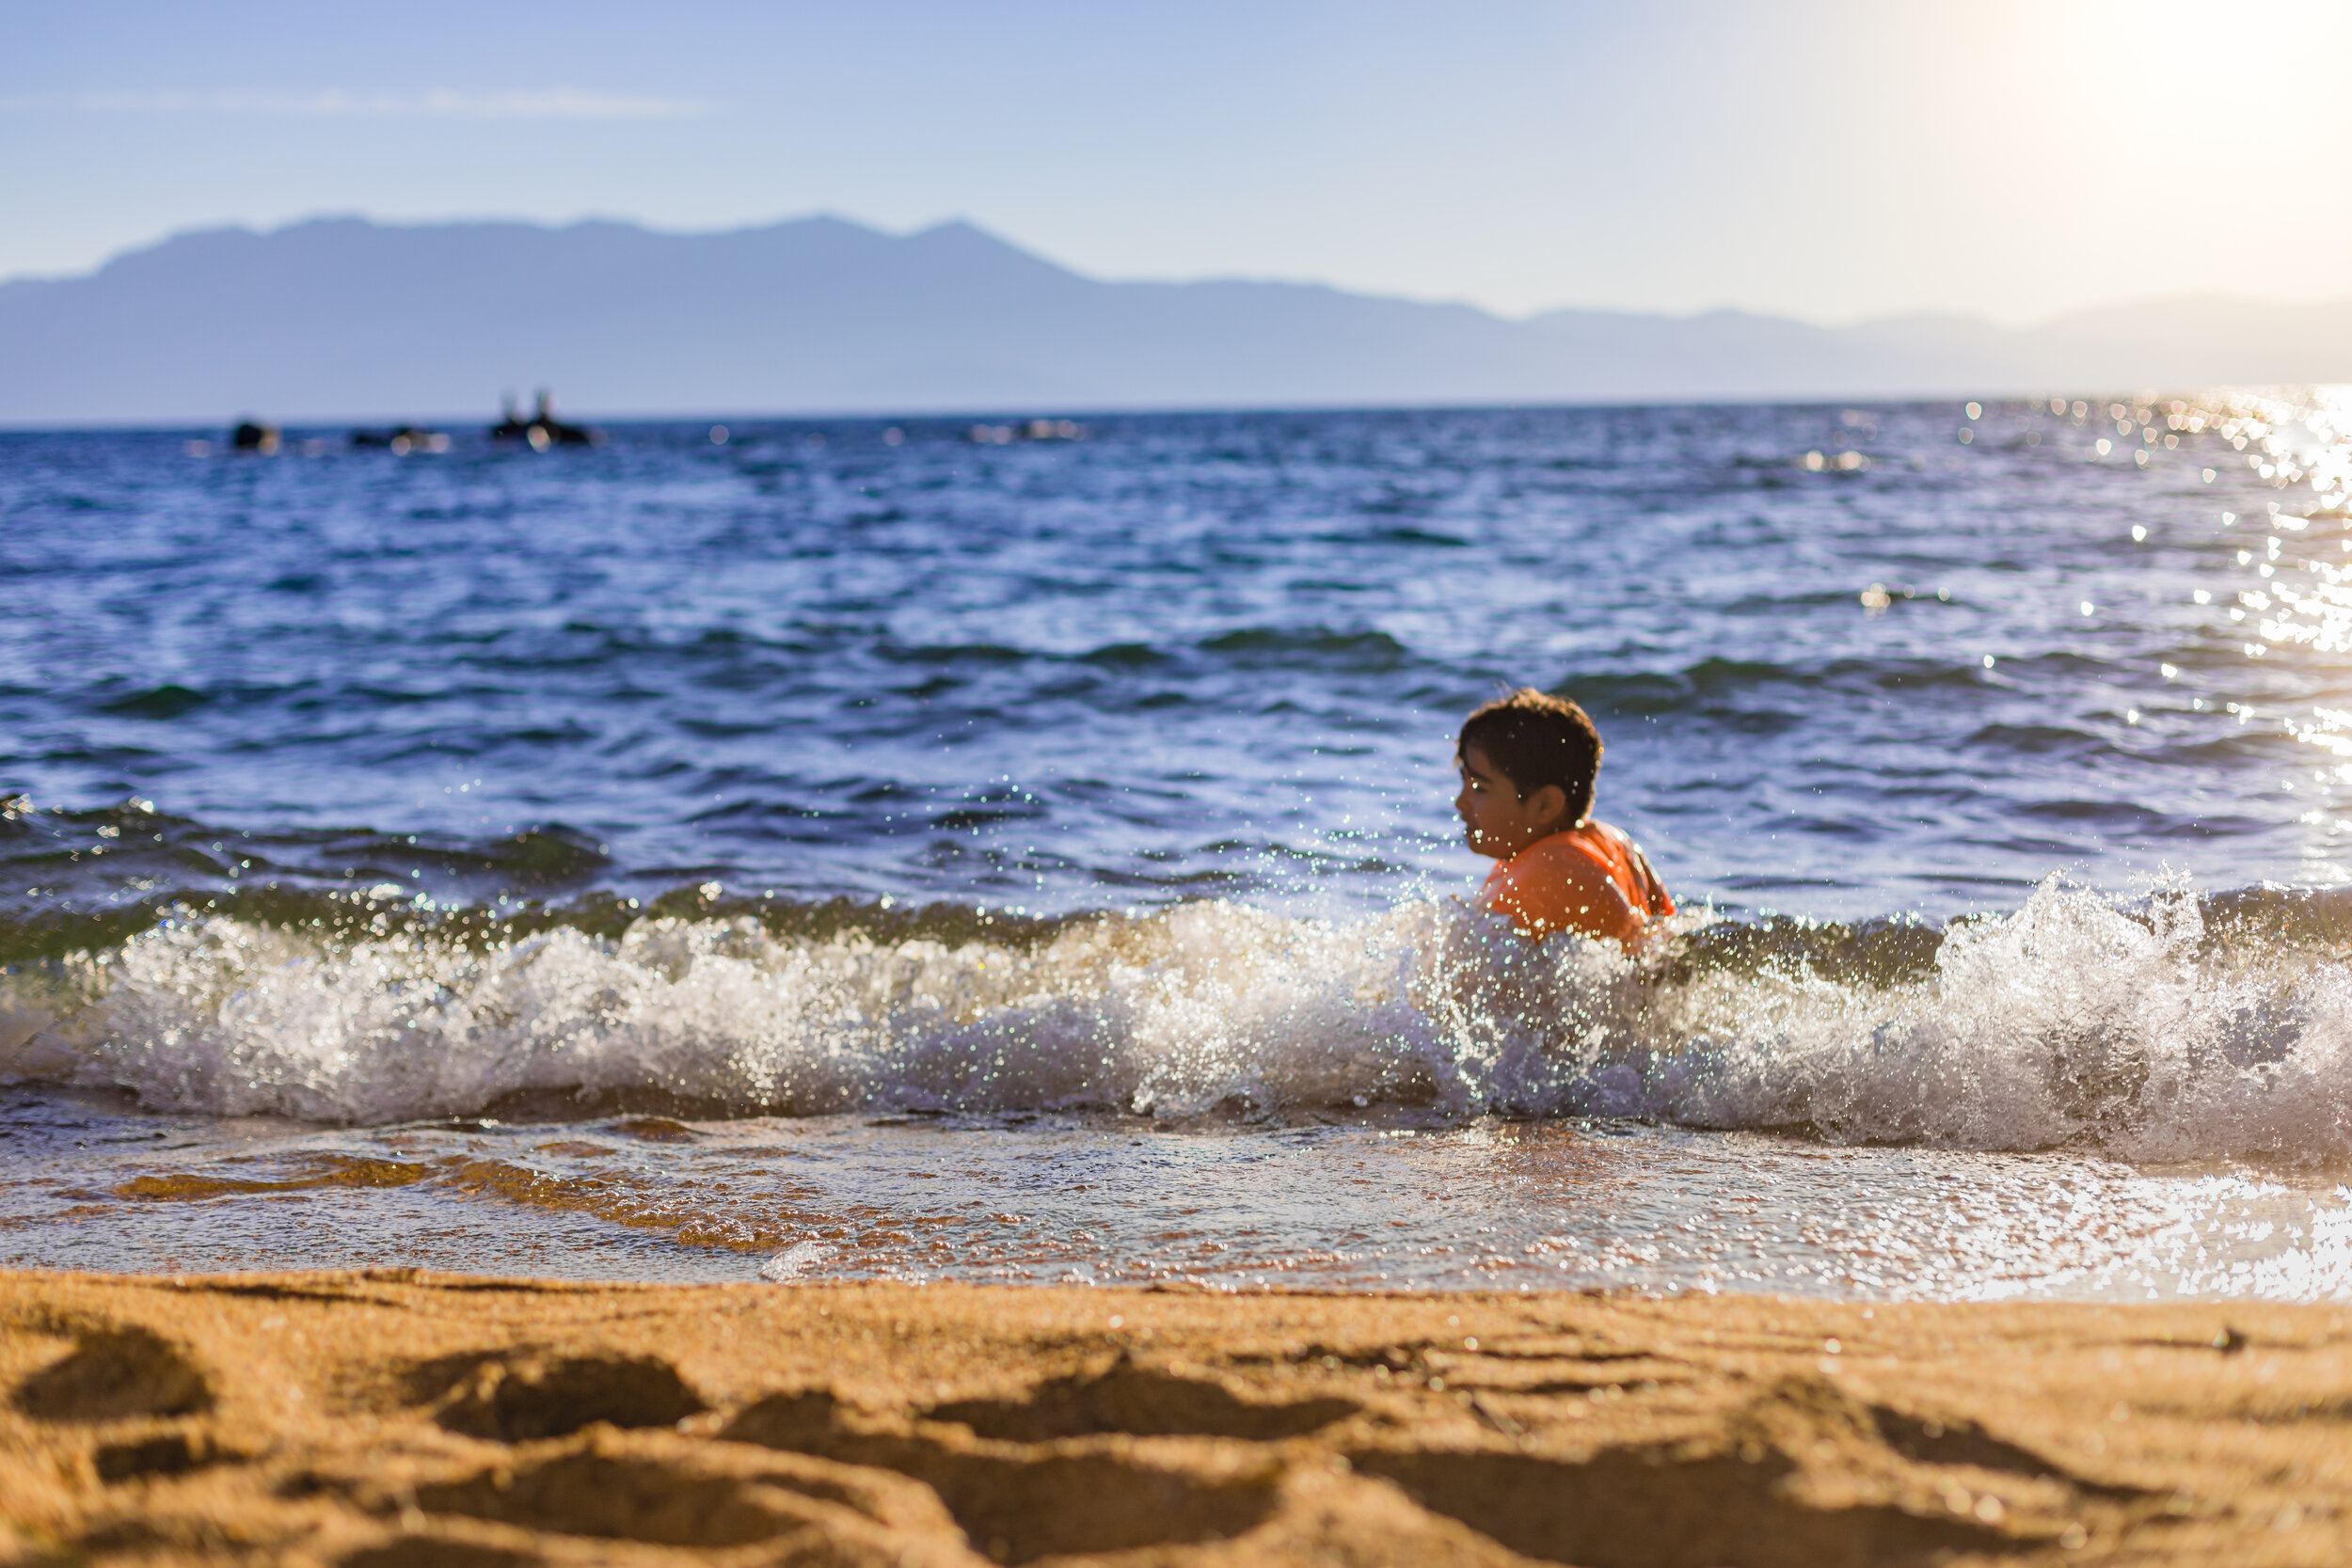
[2163,1028]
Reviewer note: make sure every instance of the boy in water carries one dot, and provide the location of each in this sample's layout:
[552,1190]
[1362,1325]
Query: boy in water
[1528,761]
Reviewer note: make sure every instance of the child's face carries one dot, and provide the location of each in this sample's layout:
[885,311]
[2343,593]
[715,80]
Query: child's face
[1495,820]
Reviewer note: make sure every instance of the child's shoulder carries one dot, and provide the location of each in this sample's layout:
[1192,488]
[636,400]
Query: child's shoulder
[1561,882]
[1591,878]
[1629,868]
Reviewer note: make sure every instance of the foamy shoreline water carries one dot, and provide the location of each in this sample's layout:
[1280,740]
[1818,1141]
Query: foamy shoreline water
[2122,1027]
[2058,1104]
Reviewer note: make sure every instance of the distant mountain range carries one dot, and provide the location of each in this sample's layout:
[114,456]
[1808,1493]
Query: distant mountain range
[347,318]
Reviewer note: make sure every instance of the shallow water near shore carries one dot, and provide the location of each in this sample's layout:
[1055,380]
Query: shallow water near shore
[1577,1204]
[846,850]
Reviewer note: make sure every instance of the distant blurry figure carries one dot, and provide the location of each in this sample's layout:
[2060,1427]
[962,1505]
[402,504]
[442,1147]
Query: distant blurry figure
[511,425]
[543,429]
[249,436]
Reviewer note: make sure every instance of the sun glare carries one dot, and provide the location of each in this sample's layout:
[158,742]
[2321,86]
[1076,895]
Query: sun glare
[2098,144]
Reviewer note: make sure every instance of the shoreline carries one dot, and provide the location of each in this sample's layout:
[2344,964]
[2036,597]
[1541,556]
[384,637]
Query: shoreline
[381,1418]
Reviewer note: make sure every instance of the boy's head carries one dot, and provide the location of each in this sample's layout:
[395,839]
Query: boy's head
[1528,761]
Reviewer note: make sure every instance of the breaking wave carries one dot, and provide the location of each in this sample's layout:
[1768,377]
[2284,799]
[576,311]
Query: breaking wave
[2166,1028]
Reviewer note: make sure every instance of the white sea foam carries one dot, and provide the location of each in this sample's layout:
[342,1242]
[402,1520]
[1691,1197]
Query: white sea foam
[2078,1021]
[796,1262]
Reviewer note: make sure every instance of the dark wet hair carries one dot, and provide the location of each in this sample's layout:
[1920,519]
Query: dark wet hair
[1533,739]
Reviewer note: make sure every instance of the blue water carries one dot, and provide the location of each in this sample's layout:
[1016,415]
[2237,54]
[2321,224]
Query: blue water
[1186,656]
[844,770]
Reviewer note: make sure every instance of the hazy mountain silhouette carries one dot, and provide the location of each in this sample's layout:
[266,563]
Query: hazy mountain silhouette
[344,318]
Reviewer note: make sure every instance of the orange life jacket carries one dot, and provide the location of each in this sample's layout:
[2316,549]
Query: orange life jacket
[1590,878]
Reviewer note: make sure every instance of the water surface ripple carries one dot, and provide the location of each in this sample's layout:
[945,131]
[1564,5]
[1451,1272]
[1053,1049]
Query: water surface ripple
[686,856]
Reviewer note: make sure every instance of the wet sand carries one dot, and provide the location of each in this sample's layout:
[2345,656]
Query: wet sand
[388,1418]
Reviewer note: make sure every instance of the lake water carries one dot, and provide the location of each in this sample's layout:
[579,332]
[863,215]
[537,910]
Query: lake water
[849,847]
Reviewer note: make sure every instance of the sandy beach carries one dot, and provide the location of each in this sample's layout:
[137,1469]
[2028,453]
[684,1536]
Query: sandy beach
[379,1419]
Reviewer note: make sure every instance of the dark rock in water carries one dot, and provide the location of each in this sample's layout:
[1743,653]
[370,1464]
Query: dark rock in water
[402,439]
[543,429]
[249,436]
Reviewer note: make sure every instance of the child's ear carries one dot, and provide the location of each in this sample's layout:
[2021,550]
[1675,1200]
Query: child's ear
[1549,801]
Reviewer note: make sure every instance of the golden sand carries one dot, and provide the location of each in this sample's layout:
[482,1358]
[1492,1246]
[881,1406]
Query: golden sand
[385,1420]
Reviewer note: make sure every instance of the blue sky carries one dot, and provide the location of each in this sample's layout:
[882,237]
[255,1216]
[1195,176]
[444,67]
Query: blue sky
[1822,158]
